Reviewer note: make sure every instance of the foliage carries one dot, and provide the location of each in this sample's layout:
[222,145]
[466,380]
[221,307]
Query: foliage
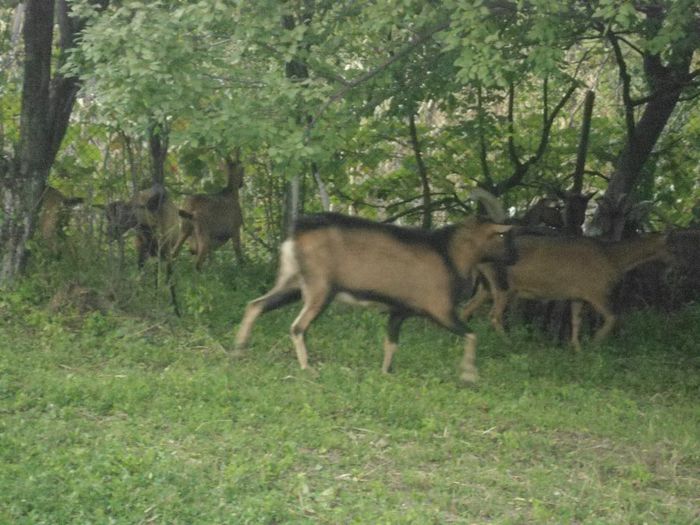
[217,73]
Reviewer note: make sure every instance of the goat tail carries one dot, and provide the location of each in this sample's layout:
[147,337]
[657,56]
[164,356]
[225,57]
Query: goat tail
[493,206]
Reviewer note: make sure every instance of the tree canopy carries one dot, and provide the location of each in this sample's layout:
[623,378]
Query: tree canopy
[395,109]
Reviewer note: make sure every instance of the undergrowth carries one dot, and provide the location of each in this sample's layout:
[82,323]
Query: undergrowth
[121,412]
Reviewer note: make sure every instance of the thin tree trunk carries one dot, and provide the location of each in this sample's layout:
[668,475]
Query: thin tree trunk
[292,204]
[158,147]
[296,71]
[427,220]
[322,190]
[583,143]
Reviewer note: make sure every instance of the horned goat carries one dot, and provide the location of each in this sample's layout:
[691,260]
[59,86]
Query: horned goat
[413,272]
[579,269]
[211,220]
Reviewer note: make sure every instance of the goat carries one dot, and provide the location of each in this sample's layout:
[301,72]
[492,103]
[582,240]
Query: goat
[157,224]
[153,216]
[55,208]
[567,268]
[546,212]
[413,272]
[121,218]
[211,220]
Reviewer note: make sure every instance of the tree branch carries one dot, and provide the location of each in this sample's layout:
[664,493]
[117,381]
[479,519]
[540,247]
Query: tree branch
[350,84]
[483,153]
[511,128]
[521,168]
[625,78]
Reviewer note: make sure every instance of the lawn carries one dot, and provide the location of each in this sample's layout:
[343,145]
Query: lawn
[135,416]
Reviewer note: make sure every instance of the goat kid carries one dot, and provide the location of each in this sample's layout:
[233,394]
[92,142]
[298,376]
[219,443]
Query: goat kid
[55,210]
[413,272]
[566,268]
[211,220]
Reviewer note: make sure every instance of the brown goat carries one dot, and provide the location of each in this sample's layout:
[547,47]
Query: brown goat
[412,272]
[55,209]
[211,220]
[566,268]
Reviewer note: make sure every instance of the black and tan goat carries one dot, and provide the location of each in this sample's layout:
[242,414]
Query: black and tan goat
[211,220]
[120,217]
[566,268]
[565,214]
[153,216]
[413,272]
[55,210]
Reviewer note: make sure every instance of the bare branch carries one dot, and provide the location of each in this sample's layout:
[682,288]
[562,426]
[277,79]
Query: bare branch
[625,78]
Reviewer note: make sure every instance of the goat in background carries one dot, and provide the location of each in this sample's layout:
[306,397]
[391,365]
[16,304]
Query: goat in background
[566,268]
[120,218]
[55,211]
[153,216]
[413,272]
[211,220]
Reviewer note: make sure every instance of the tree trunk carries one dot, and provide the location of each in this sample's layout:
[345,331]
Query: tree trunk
[296,71]
[24,181]
[158,146]
[292,205]
[629,164]
[46,107]
[322,190]
[427,220]
[666,83]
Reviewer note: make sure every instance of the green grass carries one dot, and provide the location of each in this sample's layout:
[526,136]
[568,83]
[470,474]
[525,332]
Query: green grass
[134,416]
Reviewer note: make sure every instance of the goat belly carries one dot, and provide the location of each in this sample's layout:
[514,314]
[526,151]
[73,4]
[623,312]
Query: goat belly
[371,265]
[361,299]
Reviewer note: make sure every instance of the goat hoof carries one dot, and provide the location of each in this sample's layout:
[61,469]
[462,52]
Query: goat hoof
[310,372]
[238,351]
[469,377]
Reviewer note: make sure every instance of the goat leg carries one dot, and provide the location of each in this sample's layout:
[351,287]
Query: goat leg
[315,300]
[468,366]
[391,342]
[576,307]
[481,295]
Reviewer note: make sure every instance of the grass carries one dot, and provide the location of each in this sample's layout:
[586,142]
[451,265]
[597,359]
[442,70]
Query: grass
[134,416]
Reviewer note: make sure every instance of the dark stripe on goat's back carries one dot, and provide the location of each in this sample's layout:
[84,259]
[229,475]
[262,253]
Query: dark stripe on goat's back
[436,239]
